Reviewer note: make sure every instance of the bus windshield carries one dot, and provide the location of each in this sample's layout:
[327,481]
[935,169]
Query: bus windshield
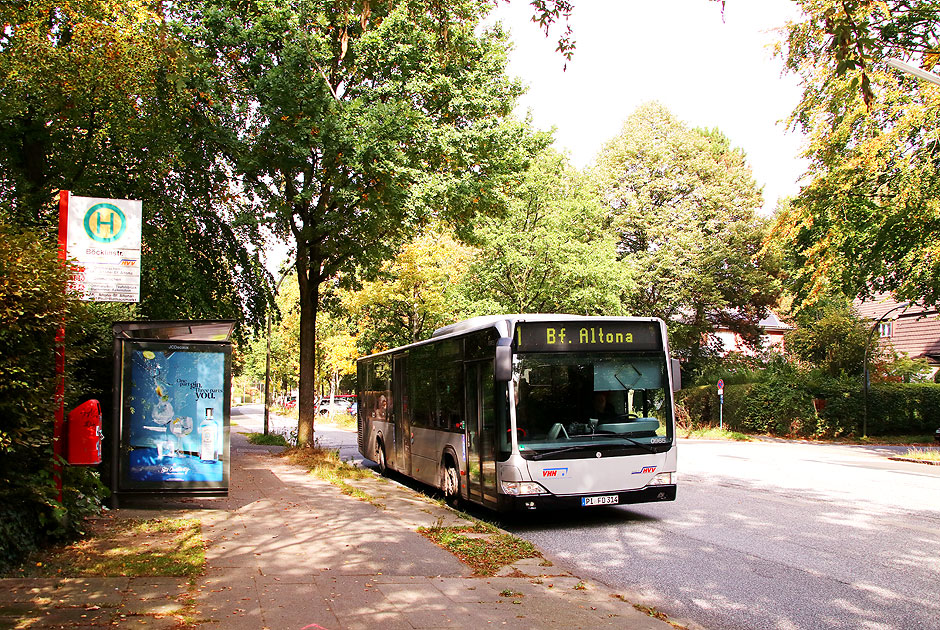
[565,401]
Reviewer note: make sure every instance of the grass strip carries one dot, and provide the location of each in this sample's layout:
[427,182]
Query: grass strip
[485,555]
[125,548]
[326,464]
[270,439]
[923,454]
[902,440]
[714,433]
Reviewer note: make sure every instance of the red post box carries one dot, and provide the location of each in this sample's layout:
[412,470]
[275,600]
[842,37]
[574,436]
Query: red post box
[84,431]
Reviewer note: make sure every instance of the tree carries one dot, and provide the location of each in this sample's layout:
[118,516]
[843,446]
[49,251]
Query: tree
[101,98]
[339,358]
[550,254]
[357,122]
[414,294]
[831,338]
[869,220]
[682,203]
[852,39]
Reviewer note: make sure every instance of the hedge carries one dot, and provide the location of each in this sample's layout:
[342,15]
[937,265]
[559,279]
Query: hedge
[33,304]
[779,406]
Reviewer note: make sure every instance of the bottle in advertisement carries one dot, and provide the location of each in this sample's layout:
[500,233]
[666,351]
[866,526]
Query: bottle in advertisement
[209,431]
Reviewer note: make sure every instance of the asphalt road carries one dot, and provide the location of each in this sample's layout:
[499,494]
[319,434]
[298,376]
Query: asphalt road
[763,535]
[771,535]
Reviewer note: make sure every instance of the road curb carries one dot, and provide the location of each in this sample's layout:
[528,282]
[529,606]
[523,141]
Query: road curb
[915,461]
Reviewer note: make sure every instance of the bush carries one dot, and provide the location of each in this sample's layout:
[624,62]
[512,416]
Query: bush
[782,403]
[903,408]
[33,305]
[19,529]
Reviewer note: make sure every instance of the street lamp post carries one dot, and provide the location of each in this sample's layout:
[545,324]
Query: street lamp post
[866,379]
[917,72]
[267,357]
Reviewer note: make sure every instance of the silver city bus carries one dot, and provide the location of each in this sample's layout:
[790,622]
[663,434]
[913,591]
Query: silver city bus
[517,412]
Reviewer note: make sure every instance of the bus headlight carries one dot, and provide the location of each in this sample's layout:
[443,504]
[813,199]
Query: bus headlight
[517,488]
[663,479]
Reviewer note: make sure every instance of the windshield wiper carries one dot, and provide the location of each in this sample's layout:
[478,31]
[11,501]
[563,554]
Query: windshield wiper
[646,447]
[567,449]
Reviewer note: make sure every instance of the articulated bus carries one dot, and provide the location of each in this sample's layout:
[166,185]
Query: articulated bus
[525,412]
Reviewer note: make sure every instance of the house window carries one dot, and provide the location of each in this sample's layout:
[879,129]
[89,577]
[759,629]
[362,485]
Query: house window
[885,329]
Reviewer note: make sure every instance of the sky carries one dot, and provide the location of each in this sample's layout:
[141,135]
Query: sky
[708,70]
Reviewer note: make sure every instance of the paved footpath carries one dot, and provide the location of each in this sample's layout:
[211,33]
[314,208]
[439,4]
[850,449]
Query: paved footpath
[288,551]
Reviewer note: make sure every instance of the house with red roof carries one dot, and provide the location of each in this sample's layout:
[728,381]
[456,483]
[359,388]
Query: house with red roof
[772,333]
[908,328]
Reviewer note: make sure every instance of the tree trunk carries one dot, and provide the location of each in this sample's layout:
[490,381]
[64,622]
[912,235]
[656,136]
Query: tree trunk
[309,288]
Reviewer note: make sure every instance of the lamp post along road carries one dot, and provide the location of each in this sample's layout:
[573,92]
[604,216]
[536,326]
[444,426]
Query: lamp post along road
[917,72]
[267,358]
[866,384]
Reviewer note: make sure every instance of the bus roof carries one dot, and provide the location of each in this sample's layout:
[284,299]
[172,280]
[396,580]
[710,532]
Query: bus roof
[505,323]
[488,321]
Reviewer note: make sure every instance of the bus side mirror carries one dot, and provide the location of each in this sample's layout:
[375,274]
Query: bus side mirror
[676,375]
[503,360]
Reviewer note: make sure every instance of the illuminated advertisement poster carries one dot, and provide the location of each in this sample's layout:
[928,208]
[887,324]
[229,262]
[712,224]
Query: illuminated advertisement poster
[175,424]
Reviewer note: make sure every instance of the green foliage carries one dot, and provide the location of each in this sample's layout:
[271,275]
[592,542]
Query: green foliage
[832,338]
[681,202]
[33,305]
[20,532]
[906,370]
[795,403]
[415,293]
[868,220]
[128,115]
[550,253]
[734,368]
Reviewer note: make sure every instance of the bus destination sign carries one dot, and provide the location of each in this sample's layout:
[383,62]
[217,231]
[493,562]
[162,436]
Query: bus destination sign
[574,336]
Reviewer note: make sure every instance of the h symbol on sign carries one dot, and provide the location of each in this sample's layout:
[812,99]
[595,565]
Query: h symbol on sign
[101,222]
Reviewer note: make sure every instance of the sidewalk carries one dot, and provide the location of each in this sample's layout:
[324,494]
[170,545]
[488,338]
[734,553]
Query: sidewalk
[288,551]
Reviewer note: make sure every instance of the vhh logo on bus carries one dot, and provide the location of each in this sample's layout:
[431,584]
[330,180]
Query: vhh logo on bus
[554,472]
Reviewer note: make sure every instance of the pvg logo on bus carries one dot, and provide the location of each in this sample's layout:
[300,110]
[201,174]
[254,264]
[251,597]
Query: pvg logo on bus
[554,472]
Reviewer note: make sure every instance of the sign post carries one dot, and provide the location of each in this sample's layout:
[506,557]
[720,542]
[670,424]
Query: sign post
[721,402]
[103,237]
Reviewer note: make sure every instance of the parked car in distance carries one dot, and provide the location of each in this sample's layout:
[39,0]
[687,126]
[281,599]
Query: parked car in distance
[342,403]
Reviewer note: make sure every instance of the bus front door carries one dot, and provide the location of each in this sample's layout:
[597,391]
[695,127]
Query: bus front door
[402,412]
[480,432]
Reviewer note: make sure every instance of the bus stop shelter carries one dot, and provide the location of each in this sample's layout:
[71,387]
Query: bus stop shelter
[172,403]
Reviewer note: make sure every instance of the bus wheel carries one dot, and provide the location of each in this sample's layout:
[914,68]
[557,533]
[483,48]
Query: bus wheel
[380,458]
[451,484]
